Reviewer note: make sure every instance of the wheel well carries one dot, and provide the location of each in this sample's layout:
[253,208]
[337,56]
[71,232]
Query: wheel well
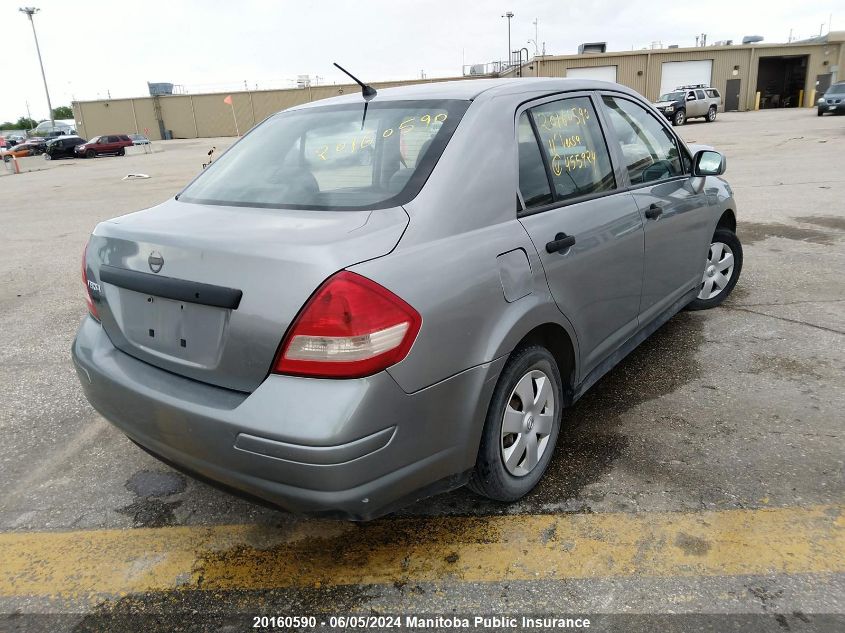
[727,221]
[555,339]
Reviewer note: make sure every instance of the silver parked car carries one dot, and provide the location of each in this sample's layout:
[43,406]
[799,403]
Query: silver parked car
[345,335]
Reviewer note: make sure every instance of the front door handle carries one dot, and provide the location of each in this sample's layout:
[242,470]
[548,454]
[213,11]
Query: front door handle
[561,242]
[654,211]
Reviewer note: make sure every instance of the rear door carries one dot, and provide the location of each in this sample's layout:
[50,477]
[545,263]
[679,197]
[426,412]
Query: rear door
[586,228]
[673,210]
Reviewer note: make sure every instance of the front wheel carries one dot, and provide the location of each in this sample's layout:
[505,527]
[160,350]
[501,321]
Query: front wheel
[47,156]
[721,270]
[90,153]
[522,426]
[820,112]
[680,118]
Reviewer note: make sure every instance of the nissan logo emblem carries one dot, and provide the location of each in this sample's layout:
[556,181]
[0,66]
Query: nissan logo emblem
[156,261]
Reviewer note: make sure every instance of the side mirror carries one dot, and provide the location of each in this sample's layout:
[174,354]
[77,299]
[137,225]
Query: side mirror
[708,163]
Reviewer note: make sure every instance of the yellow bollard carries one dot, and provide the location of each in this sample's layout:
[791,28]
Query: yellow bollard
[800,98]
[757,102]
[812,101]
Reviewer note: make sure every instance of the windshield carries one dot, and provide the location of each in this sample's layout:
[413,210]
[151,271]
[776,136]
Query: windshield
[332,158]
[836,89]
[671,96]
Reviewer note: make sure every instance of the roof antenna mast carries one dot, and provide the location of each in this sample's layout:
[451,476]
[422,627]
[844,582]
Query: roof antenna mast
[368,92]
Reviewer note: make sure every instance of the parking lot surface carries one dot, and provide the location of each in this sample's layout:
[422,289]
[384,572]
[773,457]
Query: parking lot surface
[703,474]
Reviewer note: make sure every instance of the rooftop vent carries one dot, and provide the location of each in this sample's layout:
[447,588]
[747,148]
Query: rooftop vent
[752,39]
[592,47]
[158,89]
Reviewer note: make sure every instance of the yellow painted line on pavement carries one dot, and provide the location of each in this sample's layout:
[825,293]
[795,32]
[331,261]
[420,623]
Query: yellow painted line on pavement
[499,548]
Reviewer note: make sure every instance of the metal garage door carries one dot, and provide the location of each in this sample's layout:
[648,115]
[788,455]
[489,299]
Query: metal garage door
[674,74]
[604,73]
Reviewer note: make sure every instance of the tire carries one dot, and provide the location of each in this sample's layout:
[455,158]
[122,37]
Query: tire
[529,367]
[121,152]
[712,292]
[711,114]
[90,153]
[679,118]
[47,156]
[7,159]
[820,112]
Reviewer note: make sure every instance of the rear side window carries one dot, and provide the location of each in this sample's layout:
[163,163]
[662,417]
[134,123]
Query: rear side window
[344,157]
[533,179]
[649,150]
[699,94]
[123,137]
[573,147]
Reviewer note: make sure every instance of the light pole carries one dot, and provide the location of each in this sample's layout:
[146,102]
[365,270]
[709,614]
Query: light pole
[509,15]
[30,11]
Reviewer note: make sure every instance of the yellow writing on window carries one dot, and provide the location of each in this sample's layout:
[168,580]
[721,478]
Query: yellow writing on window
[359,143]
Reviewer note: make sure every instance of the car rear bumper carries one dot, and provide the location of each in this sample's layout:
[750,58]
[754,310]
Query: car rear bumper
[352,448]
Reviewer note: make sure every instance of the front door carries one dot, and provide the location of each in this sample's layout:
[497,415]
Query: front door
[674,216]
[732,95]
[586,228]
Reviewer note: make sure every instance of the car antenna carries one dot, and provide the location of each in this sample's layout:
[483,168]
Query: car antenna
[367,91]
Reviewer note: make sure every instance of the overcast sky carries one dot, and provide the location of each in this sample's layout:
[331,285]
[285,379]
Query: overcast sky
[92,48]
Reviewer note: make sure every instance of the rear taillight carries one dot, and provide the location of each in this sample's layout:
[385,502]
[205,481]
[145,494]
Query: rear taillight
[350,327]
[89,299]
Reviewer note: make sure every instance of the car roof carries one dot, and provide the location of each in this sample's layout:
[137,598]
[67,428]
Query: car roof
[472,89]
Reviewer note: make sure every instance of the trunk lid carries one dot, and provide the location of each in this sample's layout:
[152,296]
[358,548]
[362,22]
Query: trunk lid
[208,291]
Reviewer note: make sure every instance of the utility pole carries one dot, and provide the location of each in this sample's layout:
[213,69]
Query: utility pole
[30,11]
[509,15]
[536,34]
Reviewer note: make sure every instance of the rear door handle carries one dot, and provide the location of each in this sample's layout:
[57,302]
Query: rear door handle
[654,211]
[561,242]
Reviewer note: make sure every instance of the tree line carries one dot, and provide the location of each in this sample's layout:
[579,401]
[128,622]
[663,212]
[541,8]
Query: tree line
[25,123]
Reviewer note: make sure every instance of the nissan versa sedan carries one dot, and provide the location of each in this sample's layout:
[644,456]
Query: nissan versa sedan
[344,337]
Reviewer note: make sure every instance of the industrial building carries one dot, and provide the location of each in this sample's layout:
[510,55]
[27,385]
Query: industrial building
[750,76]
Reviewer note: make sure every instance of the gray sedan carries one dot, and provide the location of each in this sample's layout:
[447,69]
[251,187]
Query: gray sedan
[345,335]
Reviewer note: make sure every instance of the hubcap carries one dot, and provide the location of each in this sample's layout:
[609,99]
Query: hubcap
[718,270]
[527,423]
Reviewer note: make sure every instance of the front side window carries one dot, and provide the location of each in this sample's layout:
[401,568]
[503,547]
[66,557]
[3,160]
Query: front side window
[333,158]
[574,147]
[649,150]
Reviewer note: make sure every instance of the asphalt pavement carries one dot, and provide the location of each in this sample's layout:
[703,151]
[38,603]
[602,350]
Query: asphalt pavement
[704,474]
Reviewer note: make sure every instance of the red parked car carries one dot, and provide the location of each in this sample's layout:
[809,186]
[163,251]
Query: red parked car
[109,144]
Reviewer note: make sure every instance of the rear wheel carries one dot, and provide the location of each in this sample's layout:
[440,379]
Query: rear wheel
[721,270]
[90,153]
[522,426]
[711,114]
[680,118]
[121,152]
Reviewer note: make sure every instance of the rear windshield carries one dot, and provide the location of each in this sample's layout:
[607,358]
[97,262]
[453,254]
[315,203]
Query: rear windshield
[332,158]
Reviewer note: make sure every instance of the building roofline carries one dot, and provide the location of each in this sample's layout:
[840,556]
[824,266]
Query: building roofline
[832,37]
